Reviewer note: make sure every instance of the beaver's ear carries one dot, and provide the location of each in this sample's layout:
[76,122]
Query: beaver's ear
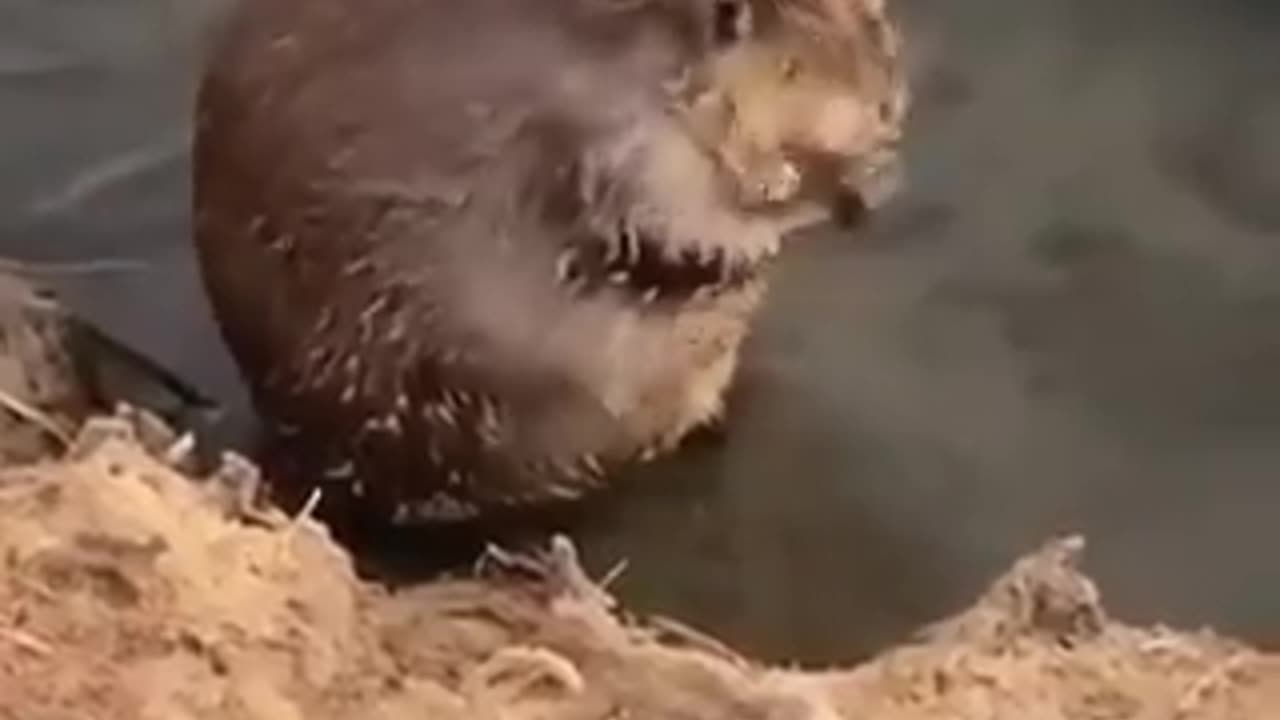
[731,21]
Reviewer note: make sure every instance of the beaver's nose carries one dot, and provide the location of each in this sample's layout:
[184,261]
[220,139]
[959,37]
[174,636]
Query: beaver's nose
[866,185]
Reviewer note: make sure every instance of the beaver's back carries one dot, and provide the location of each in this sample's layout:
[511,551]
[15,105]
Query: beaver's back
[323,122]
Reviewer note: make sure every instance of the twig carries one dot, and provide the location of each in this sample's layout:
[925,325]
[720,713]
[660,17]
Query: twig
[1208,684]
[180,450]
[615,572]
[288,530]
[307,511]
[77,267]
[36,417]
[566,571]
[27,641]
[671,632]
[523,667]
[558,567]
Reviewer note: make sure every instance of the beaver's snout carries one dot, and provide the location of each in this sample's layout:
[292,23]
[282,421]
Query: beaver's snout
[846,190]
[866,186]
[876,180]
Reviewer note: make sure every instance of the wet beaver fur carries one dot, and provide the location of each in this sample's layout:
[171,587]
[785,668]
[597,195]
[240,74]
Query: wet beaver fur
[474,256]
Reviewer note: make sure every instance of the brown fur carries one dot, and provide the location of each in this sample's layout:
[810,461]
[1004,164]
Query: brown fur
[819,81]
[472,256]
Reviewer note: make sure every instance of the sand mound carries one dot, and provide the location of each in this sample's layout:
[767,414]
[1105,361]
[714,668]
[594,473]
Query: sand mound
[131,589]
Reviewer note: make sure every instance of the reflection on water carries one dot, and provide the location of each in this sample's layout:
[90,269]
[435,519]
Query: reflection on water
[1070,322]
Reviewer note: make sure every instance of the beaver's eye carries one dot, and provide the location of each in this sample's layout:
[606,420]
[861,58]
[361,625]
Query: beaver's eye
[732,21]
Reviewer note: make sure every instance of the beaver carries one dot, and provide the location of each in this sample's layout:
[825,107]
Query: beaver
[472,257]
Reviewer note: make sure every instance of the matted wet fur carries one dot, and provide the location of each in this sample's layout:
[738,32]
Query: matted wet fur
[473,256]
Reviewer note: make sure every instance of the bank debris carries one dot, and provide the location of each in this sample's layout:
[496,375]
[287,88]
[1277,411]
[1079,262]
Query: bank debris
[132,588]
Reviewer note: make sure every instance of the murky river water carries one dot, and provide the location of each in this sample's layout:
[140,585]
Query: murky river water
[1070,322]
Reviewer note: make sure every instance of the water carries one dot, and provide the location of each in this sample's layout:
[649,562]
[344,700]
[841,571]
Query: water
[1070,322]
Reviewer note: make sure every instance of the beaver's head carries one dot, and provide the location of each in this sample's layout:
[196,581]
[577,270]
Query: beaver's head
[803,103]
